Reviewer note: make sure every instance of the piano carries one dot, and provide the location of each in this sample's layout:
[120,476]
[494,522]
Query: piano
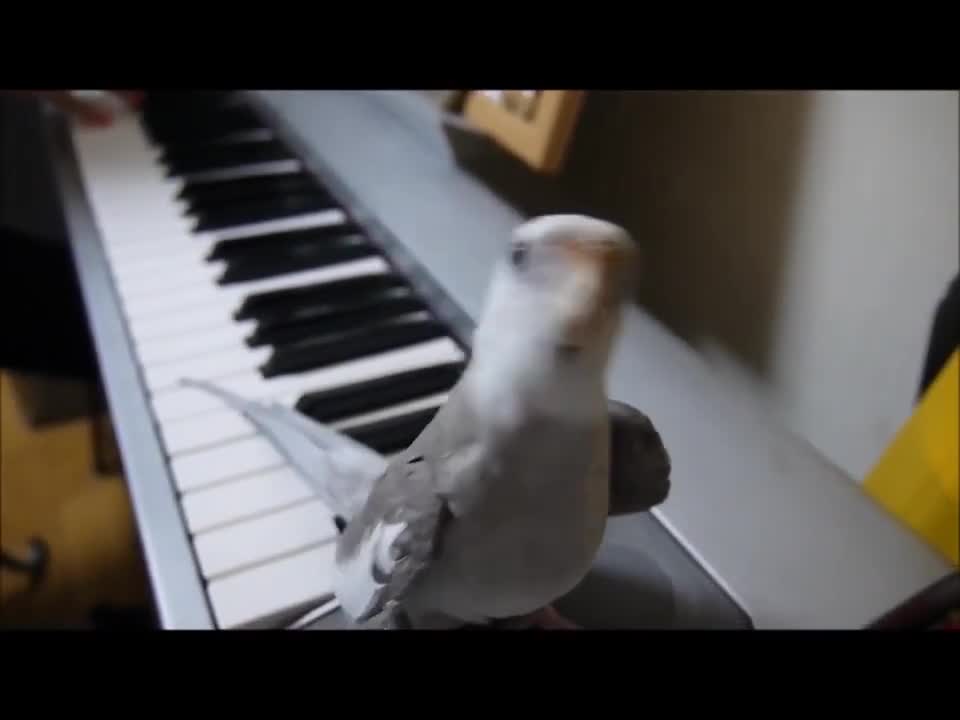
[326,250]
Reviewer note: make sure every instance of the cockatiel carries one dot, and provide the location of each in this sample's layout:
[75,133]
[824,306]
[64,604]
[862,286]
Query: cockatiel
[499,507]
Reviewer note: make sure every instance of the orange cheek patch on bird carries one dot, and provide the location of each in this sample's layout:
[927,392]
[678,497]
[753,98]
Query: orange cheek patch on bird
[603,269]
[593,301]
[614,264]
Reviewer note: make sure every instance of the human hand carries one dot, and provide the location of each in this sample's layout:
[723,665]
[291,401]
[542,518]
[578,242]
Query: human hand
[88,111]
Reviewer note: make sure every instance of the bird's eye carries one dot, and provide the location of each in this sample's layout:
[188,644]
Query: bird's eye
[519,254]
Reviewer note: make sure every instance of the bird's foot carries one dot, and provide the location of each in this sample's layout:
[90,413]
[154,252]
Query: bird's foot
[546,618]
[549,618]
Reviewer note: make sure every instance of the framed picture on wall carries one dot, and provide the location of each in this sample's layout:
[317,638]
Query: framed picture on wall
[534,125]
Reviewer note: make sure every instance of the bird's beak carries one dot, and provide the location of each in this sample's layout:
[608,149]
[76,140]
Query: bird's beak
[600,271]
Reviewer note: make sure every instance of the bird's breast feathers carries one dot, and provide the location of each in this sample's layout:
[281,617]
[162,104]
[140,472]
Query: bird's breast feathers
[533,535]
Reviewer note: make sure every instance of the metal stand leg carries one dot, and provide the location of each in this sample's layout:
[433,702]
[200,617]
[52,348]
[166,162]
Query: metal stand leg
[34,564]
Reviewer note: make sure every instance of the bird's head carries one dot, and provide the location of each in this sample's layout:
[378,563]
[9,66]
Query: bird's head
[560,288]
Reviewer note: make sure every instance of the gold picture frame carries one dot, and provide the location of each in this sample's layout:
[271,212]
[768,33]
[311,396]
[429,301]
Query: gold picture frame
[535,125]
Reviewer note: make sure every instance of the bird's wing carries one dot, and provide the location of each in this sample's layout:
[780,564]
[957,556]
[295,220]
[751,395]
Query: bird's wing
[639,461]
[400,530]
[391,541]
[341,471]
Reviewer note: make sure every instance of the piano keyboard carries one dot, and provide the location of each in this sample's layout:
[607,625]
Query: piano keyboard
[233,264]
[204,247]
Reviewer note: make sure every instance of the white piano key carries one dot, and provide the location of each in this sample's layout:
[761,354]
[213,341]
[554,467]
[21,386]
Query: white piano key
[171,349]
[303,221]
[183,300]
[272,167]
[154,261]
[222,363]
[181,323]
[224,424]
[165,282]
[148,210]
[137,187]
[144,260]
[224,462]
[154,231]
[179,234]
[263,538]
[184,402]
[113,159]
[131,202]
[156,265]
[270,593]
[230,296]
[148,157]
[162,282]
[170,253]
[156,219]
[158,247]
[124,166]
[172,405]
[243,498]
[409,406]
[205,430]
[175,232]
[158,225]
[314,615]
[218,309]
[157,256]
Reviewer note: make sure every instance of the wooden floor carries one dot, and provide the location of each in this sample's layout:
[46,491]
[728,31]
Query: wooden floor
[49,488]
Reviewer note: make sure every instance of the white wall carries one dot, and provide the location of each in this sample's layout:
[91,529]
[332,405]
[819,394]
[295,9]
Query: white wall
[801,240]
[874,244]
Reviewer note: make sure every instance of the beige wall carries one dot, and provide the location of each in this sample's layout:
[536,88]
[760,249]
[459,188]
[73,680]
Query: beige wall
[801,240]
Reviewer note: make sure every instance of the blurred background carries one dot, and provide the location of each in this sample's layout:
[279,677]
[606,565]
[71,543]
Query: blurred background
[799,241]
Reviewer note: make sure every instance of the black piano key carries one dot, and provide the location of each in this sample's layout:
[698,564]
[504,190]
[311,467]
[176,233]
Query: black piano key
[224,193]
[171,119]
[160,112]
[392,434]
[218,157]
[267,243]
[248,213]
[188,151]
[350,345]
[289,300]
[293,258]
[179,125]
[172,150]
[158,102]
[314,321]
[241,188]
[370,395]
[318,302]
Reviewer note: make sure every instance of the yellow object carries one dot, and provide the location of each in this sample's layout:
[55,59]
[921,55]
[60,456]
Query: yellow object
[916,478]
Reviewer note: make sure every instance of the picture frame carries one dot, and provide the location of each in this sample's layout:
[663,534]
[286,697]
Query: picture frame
[537,126]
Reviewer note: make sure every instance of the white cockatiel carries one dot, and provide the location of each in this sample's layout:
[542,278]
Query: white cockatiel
[499,507]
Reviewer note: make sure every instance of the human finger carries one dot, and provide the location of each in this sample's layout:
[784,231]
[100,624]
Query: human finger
[86,112]
[133,98]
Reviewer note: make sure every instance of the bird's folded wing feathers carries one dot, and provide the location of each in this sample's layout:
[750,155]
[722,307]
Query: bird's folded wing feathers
[400,531]
[340,470]
[639,461]
[393,540]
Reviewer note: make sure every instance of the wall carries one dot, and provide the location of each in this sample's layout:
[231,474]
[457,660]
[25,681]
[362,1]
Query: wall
[800,240]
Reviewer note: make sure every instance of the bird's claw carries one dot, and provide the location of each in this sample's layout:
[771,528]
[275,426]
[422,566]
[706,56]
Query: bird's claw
[546,618]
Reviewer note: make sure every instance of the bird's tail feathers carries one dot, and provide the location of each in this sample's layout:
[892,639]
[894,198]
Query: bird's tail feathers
[340,471]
